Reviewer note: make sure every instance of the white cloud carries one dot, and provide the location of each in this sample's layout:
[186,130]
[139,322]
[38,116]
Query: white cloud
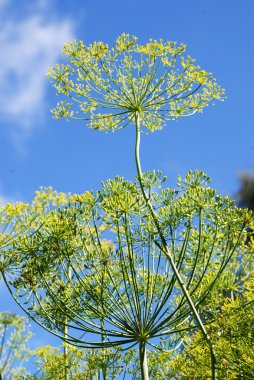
[28,47]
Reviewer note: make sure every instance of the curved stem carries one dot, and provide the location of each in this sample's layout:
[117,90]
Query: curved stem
[143,361]
[166,251]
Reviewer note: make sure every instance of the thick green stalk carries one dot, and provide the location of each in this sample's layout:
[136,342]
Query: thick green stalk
[167,251]
[143,361]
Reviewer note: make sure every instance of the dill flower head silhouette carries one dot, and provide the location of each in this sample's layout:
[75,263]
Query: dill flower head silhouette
[111,87]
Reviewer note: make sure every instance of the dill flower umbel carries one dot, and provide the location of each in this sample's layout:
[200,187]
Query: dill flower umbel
[108,87]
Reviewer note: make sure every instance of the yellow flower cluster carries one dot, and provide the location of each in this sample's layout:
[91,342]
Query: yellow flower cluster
[157,48]
[86,198]
[15,209]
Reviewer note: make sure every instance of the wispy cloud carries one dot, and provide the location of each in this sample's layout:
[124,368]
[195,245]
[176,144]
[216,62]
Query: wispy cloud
[28,47]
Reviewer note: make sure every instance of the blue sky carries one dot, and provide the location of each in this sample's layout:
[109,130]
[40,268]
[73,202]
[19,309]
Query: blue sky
[39,151]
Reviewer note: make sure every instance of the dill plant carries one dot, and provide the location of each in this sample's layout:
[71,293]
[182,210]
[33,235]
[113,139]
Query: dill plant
[134,262]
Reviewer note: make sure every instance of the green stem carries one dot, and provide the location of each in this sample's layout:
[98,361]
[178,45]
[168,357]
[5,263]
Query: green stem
[66,374]
[2,342]
[143,361]
[104,369]
[65,351]
[167,251]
